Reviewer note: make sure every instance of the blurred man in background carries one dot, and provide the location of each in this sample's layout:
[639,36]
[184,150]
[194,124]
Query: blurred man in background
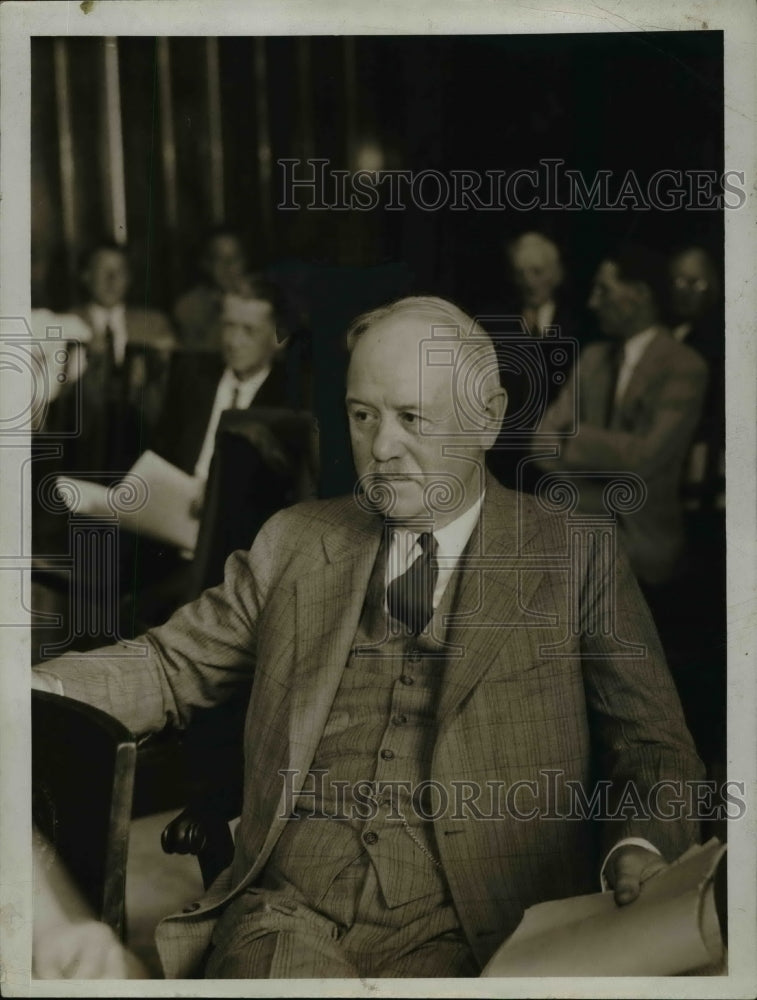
[197,313]
[533,373]
[126,365]
[639,395]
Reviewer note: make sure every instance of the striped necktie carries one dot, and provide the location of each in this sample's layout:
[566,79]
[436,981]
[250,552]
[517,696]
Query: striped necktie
[410,597]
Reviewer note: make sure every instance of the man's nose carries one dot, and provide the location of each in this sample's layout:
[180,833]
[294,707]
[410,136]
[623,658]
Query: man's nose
[386,444]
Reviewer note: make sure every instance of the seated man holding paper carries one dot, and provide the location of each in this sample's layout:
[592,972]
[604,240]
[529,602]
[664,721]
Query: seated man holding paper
[251,371]
[442,670]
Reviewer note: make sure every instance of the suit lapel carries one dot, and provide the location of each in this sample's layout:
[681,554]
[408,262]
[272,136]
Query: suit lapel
[329,604]
[596,384]
[491,594]
[272,392]
[198,408]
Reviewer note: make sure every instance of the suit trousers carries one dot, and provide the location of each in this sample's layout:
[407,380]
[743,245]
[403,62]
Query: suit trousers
[272,933]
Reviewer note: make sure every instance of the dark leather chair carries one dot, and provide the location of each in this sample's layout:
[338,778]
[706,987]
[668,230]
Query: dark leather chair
[83,764]
[264,459]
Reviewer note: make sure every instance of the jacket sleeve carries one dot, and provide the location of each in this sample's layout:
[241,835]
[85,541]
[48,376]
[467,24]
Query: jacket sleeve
[663,437]
[641,743]
[196,660]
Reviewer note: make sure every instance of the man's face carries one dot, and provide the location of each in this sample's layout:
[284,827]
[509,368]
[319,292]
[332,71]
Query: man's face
[225,262]
[693,284]
[401,416]
[248,346]
[615,302]
[536,273]
[107,278]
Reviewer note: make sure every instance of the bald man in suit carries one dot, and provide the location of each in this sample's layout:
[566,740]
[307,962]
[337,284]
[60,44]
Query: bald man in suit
[424,639]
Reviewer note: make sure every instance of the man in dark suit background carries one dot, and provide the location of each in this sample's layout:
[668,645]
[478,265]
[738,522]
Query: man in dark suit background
[533,364]
[250,370]
[125,368]
[395,639]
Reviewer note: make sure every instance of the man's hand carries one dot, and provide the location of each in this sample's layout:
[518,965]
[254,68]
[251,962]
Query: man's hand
[628,868]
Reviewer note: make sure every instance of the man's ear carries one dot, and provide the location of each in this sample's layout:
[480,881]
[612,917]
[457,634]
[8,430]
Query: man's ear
[495,406]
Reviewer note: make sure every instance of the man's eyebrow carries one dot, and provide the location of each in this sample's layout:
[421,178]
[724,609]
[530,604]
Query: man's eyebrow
[398,408]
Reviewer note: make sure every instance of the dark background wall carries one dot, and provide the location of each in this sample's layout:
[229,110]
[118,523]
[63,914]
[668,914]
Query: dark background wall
[205,120]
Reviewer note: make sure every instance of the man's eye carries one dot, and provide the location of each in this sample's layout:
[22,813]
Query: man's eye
[411,419]
[360,416]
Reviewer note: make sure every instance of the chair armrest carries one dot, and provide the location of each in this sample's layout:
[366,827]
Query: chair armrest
[203,833]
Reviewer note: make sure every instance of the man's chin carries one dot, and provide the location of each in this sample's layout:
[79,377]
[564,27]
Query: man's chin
[396,495]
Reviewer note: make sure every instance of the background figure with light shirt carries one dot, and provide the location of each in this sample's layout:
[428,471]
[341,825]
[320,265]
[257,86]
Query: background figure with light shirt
[537,272]
[639,396]
[125,369]
[537,276]
[250,370]
[396,644]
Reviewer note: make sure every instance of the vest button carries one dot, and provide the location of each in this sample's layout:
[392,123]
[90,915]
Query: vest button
[370,837]
[399,720]
[387,754]
[191,907]
[407,679]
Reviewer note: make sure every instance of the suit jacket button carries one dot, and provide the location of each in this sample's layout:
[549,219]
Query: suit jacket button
[191,907]
[370,837]
[406,679]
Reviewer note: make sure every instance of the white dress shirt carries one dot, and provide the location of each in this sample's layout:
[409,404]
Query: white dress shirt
[633,350]
[545,314]
[232,393]
[451,540]
[115,318]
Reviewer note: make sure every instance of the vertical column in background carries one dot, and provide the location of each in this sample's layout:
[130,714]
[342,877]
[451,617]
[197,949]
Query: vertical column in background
[263,142]
[114,179]
[305,97]
[66,158]
[350,102]
[168,154]
[215,131]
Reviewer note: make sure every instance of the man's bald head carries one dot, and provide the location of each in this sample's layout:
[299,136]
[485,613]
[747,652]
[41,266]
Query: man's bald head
[536,267]
[424,399]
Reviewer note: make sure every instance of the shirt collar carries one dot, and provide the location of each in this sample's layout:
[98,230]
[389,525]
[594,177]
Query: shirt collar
[102,316]
[635,346]
[546,313]
[451,539]
[230,379]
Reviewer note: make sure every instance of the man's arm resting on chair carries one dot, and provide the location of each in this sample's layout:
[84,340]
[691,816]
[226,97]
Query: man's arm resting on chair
[195,660]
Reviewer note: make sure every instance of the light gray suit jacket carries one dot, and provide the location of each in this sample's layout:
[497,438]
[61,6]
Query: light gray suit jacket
[533,685]
[649,435]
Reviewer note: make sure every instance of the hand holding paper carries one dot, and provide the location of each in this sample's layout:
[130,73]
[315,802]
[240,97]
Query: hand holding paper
[672,928]
[628,868]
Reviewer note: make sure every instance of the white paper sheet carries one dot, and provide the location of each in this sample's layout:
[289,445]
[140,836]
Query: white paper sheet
[670,929]
[153,499]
